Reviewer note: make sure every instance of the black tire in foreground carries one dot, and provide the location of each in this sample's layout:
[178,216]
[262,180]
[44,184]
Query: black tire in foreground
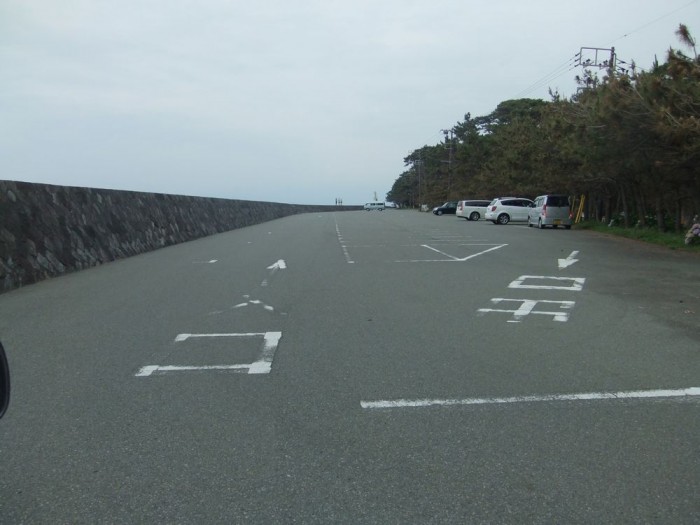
[4,382]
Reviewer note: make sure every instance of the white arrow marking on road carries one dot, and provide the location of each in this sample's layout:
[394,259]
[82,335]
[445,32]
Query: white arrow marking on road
[279,265]
[563,263]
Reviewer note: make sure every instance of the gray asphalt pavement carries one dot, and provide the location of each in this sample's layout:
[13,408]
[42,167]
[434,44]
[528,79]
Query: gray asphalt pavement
[359,367]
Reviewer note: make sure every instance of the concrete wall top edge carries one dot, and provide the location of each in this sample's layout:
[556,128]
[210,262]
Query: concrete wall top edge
[90,189]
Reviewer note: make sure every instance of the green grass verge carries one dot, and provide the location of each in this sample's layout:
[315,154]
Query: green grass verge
[671,240]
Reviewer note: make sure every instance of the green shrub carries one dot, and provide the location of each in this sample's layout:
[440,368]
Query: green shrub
[672,240]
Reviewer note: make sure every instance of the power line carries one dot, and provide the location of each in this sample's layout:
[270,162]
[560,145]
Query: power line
[556,73]
[654,21]
[573,62]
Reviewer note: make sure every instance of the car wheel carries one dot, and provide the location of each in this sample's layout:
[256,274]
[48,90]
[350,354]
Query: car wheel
[568,226]
[474,216]
[439,212]
[539,224]
[503,218]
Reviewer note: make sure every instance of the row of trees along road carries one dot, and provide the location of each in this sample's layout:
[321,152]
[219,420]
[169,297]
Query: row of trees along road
[629,142]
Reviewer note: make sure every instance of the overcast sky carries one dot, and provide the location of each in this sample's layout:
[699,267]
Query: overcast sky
[300,101]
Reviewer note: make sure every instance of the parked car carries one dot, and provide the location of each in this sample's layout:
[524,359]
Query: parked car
[449,208]
[503,210]
[550,210]
[472,210]
[379,206]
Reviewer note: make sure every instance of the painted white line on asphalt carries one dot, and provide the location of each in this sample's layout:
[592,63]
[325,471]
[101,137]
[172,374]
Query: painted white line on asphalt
[342,243]
[438,251]
[591,396]
[452,258]
[262,366]
[527,307]
[576,283]
[255,302]
[485,251]
[151,369]
[185,337]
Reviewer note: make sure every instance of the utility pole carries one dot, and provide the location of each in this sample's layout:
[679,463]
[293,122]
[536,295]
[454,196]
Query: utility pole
[449,140]
[420,167]
[417,169]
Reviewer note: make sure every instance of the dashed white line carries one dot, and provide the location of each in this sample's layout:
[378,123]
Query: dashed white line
[343,246]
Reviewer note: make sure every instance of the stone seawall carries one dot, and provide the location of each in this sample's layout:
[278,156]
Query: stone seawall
[47,230]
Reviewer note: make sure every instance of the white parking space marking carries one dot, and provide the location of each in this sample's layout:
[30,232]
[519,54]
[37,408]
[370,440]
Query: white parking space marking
[263,365]
[452,258]
[440,252]
[212,261]
[527,307]
[590,396]
[152,369]
[575,286]
[444,240]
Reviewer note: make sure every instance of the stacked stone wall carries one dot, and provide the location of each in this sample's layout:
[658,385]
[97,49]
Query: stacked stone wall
[47,230]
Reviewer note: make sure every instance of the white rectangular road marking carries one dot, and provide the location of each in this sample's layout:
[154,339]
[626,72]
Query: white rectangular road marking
[575,286]
[263,365]
[591,396]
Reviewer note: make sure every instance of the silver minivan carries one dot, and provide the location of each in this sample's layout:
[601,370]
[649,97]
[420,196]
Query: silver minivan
[550,210]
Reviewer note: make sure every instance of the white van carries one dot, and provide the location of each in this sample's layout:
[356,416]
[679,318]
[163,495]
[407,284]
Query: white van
[472,210]
[379,206]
